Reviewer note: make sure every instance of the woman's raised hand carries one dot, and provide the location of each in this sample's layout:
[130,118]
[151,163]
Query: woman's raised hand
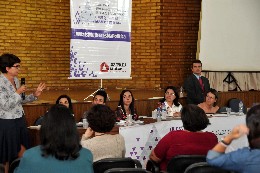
[39,89]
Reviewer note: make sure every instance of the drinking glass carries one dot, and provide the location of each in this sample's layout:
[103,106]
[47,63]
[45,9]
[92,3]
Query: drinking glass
[228,111]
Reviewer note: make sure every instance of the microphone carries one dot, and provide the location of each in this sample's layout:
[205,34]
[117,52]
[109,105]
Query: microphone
[23,83]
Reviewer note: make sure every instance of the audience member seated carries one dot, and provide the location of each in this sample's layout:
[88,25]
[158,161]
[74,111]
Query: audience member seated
[101,119]
[189,141]
[171,101]
[242,160]
[126,106]
[60,149]
[210,103]
[66,101]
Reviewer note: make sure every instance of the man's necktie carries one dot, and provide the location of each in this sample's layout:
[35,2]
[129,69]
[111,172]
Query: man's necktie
[201,84]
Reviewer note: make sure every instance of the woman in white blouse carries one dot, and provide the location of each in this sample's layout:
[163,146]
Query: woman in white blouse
[171,101]
[13,131]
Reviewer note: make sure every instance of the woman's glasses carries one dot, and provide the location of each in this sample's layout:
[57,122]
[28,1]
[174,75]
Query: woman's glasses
[17,66]
[172,94]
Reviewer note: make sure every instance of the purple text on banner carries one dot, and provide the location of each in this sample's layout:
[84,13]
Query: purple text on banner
[84,34]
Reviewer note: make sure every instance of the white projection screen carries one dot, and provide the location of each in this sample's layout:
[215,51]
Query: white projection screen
[230,35]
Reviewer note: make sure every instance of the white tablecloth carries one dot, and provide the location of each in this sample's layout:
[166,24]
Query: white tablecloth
[140,140]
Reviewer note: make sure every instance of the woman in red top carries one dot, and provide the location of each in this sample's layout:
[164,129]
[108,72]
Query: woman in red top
[189,141]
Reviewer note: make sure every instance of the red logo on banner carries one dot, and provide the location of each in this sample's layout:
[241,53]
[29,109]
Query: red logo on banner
[104,67]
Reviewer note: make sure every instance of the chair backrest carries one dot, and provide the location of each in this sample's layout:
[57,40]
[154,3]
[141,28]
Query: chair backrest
[102,165]
[127,170]
[179,163]
[13,165]
[234,105]
[152,166]
[38,121]
[222,109]
[204,167]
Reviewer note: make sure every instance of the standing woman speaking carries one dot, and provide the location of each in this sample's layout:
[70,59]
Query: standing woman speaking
[13,130]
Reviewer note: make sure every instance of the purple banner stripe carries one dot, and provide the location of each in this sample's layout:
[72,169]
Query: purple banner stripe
[84,34]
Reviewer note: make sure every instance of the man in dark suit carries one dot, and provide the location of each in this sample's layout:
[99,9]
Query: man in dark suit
[196,85]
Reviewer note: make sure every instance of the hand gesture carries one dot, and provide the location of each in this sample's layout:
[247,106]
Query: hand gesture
[39,89]
[89,132]
[21,90]
[239,131]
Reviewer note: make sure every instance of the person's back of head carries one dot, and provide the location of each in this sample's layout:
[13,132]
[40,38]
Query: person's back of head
[101,118]
[253,123]
[58,134]
[194,118]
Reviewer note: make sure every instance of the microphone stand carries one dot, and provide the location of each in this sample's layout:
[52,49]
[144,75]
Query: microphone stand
[230,79]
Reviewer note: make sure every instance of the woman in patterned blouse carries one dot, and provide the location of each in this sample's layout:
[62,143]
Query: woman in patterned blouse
[13,131]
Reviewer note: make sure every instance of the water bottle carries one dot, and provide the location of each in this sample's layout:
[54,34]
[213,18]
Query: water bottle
[164,111]
[240,108]
[85,123]
[163,107]
[181,92]
[158,114]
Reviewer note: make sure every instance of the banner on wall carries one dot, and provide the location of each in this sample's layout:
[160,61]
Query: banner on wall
[100,45]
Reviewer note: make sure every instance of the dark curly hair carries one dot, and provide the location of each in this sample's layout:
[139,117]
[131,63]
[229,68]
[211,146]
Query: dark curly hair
[8,60]
[176,100]
[58,134]
[194,118]
[253,123]
[121,102]
[101,118]
[102,93]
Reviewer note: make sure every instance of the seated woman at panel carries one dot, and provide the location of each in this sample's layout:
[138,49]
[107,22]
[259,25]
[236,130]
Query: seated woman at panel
[101,119]
[171,97]
[242,160]
[64,100]
[209,105]
[191,140]
[126,106]
[54,154]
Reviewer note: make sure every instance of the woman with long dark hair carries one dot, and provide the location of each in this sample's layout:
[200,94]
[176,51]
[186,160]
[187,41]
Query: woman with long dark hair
[60,149]
[126,106]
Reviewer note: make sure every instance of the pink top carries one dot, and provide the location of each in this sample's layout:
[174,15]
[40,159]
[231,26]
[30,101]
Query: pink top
[183,142]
